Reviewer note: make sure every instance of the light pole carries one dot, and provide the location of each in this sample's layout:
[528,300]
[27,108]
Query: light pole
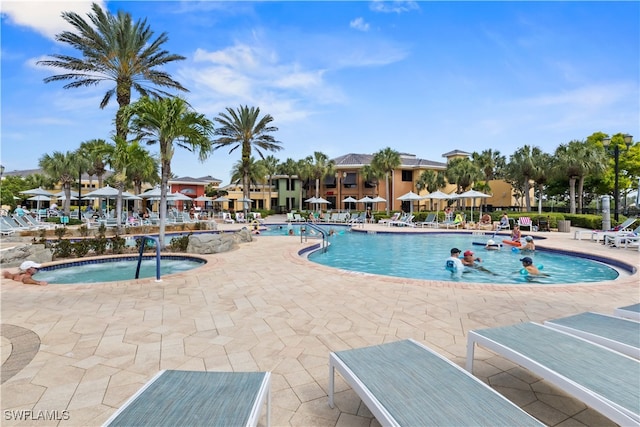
[616,169]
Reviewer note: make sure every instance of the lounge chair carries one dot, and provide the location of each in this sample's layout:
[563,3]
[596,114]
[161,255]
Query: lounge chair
[404,383]
[620,238]
[5,229]
[226,217]
[193,398]
[430,221]
[455,223]
[407,222]
[298,218]
[525,221]
[619,334]
[394,217]
[597,235]
[628,312]
[604,379]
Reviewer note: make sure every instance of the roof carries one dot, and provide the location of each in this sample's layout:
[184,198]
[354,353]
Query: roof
[408,161]
[189,180]
[456,153]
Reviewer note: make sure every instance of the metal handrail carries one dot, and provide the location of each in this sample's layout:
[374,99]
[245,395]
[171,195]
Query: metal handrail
[319,230]
[143,239]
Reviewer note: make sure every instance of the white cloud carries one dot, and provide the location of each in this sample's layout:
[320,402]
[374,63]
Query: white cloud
[359,24]
[44,17]
[395,6]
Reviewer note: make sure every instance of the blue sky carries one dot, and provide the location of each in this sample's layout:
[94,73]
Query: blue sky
[339,77]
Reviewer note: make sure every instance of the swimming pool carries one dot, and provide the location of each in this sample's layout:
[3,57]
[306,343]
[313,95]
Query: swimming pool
[114,269]
[422,256]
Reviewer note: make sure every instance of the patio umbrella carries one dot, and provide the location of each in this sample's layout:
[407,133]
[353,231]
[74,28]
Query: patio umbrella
[438,195]
[106,192]
[349,200]
[378,199]
[63,198]
[40,198]
[410,197]
[473,195]
[36,192]
[365,200]
[221,199]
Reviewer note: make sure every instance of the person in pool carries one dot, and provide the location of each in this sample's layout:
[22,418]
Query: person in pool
[532,270]
[469,260]
[492,245]
[528,245]
[454,263]
[516,234]
[25,274]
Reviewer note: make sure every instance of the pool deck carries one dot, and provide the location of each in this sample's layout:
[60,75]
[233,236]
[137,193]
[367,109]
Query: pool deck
[85,349]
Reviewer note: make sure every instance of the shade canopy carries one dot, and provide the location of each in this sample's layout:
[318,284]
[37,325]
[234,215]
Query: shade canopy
[63,197]
[245,200]
[439,195]
[365,199]
[221,199]
[203,199]
[322,201]
[40,198]
[350,200]
[378,199]
[180,196]
[410,196]
[310,200]
[473,194]
[106,191]
[36,192]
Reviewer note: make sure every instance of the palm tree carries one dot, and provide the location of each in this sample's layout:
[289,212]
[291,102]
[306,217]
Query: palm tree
[63,168]
[116,49]
[385,161]
[578,160]
[257,172]
[95,151]
[303,170]
[243,129]
[169,122]
[521,165]
[121,156]
[143,167]
[320,167]
[463,173]
[542,167]
[431,181]
[271,167]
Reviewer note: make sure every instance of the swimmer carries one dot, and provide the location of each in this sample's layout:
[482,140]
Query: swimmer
[332,232]
[291,232]
[453,263]
[516,234]
[471,261]
[492,245]
[531,269]
[26,270]
[529,245]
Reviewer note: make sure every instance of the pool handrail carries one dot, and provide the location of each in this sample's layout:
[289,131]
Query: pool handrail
[319,230]
[143,239]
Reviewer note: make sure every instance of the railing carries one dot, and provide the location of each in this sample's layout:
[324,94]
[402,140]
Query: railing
[304,234]
[143,240]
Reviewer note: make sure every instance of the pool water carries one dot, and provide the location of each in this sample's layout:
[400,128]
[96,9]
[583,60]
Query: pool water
[114,269]
[422,256]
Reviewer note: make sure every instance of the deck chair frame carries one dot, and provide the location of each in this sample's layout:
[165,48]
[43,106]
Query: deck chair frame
[435,383]
[616,333]
[160,399]
[588,371]
[628,312]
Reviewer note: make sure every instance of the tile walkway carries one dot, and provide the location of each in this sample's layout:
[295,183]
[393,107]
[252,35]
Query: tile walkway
[261,307]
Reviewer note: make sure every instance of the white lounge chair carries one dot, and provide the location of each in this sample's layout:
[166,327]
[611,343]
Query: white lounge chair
[604,379]
[226,217]
[598,235]
[405,383]
[5,229]
[194,398]
[628,312]
[619,334]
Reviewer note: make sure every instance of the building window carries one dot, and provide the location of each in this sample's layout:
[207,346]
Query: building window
[407,176]
[330,181]
[350,180]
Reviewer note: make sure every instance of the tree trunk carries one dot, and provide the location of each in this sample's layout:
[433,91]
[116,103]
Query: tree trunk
[163,201]
[572,195]
[580,193]
[527,199]
[386,177]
